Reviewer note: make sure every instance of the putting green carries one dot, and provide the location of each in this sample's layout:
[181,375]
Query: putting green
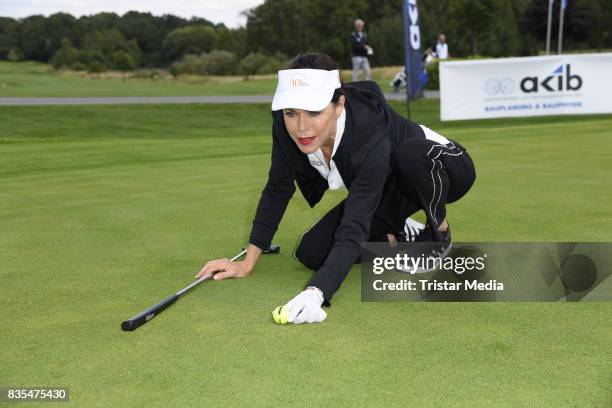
[106,210]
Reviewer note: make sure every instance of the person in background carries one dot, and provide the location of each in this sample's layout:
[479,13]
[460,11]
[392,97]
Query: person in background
[429,56]
[360,51]
[442,47]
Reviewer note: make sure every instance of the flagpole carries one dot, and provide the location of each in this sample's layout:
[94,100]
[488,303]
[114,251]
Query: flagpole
[405,19]
[561,15]
[549,26]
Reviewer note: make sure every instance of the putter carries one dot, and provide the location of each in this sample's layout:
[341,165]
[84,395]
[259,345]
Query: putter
[144,316]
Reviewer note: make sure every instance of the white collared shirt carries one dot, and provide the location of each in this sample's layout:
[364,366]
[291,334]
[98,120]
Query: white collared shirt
[317,160]
[442,50]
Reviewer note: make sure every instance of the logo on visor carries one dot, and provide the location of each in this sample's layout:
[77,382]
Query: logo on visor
[297,81]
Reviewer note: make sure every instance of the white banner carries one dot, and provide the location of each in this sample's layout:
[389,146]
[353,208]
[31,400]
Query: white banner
[529,86]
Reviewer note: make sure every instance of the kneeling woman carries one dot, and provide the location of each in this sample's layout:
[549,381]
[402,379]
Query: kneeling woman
[332,135]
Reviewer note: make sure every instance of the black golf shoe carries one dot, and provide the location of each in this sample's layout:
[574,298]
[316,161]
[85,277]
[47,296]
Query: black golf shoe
[426,251]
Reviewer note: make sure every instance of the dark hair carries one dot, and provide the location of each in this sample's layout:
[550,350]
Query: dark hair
[318,60]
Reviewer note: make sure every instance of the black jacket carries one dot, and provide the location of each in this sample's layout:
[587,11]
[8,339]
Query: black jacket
[371,133]
[358,44]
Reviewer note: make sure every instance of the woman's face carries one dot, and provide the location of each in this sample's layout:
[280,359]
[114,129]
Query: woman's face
[311,130]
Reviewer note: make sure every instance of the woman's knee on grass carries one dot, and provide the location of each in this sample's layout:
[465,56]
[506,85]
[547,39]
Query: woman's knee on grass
[309,253]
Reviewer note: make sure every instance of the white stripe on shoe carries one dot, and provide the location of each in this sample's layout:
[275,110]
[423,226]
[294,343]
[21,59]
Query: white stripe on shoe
[412,228]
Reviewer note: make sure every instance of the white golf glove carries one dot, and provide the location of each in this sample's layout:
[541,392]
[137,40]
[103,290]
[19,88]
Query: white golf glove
[306,307]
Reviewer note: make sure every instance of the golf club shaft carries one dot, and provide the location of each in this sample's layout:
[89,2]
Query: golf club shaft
[146,315]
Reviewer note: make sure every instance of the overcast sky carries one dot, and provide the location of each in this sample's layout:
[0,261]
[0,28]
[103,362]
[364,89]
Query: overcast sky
[217,11]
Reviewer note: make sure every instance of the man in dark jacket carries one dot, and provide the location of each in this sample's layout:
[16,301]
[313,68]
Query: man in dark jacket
[360,51]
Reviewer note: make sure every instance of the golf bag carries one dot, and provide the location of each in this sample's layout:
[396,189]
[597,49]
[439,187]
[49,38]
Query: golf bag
[399,81]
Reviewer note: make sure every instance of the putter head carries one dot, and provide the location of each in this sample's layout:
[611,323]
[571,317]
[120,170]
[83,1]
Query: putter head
[273,249]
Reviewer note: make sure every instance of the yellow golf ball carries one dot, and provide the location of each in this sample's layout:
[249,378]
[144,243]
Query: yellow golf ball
[280,315]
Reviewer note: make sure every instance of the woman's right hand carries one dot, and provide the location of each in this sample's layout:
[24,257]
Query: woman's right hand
[224,268]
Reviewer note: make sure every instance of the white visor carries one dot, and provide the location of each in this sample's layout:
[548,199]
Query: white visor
[307,89]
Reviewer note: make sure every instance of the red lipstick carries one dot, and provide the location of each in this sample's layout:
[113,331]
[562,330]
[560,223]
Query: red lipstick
[306,140]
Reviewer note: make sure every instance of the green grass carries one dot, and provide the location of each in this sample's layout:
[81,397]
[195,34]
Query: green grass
[105,210]
[30,79]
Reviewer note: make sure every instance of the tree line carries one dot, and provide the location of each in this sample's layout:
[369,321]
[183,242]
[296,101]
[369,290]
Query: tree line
[279,29]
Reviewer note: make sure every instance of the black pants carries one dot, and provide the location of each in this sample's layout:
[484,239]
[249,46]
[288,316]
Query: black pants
[424,176]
